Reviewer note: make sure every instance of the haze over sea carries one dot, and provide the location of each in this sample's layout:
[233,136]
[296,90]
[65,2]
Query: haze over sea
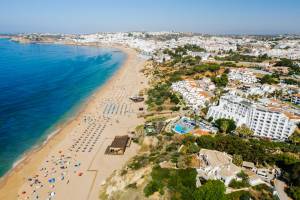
[41,85]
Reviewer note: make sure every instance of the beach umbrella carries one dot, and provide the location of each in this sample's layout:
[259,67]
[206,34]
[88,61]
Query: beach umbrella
[51,180]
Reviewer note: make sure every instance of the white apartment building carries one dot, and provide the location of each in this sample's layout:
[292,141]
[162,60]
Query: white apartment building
[267,121]
[242,75]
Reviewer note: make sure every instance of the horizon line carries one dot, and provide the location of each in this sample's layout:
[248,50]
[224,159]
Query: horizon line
[143,31]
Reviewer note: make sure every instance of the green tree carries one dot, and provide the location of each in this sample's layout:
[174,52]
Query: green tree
[294,192]
[244,131]
[277,93]
[221,81]
[211,190]
[285,62]
[295,137]
[225,125]
[237,159]
[152,187]
[192,148]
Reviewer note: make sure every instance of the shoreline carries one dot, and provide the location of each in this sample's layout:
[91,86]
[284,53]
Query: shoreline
[61,130]
[55,129]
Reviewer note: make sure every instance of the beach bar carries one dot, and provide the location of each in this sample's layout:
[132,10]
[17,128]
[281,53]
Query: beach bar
[118,145]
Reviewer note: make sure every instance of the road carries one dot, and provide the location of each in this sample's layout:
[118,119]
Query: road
[279,187]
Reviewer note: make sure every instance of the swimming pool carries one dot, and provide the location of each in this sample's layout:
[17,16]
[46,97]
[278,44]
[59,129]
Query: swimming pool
[183,126]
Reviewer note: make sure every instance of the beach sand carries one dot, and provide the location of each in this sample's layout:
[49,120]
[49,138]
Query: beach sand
[72,163]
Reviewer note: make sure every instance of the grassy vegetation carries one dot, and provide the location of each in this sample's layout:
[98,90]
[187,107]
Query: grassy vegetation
[291,81]
[269,79]
[179,182]
[206,67]
[293,68]
[158,94]
[260,192]
[193,47]
[236,57]
[162,94]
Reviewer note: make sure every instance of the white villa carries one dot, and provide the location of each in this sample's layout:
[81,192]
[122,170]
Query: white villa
[296,99]
[242,75]
[194,93]
[217,165]
[262,89]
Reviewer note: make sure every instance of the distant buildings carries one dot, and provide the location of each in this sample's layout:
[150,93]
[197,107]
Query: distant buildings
[148,43]
[269,121]
[242,75]
[204,55]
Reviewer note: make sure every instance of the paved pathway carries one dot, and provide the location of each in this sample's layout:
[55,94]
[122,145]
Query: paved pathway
[279,187]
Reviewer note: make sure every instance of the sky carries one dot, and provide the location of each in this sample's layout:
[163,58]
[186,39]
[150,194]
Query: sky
[203,16]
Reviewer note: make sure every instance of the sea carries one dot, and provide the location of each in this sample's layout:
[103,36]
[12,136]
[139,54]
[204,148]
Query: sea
[41,87]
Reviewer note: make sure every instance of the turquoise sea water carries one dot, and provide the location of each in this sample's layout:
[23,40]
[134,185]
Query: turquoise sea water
[40,86]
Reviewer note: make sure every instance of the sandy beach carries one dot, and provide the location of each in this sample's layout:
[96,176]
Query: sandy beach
[72,163]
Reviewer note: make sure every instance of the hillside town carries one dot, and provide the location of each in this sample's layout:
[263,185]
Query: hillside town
[228,112]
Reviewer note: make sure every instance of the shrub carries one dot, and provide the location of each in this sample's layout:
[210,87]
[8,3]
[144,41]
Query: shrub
[174,99]
[152,187]
[237,160]
[175,108]
[239,195]
[139,162]
[294,192]
[132,185]
[238,184]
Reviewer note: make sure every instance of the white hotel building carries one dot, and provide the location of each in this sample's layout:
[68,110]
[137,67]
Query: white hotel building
[266,121]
